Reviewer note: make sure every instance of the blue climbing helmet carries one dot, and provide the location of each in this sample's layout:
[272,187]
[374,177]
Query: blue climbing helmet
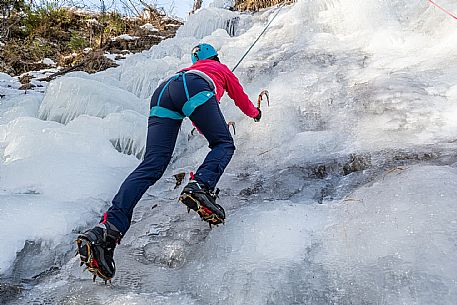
[203,51]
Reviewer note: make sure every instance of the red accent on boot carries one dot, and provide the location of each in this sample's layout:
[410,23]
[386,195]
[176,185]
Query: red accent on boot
[192,176]
[105,218]
[95,263]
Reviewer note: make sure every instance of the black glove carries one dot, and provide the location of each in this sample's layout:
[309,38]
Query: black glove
[259,116]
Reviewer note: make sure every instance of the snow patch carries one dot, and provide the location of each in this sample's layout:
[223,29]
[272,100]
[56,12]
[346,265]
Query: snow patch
[149,27]
[20,106]
[225,4]
[125,37]
[48,62]
[5,78]
[93,21]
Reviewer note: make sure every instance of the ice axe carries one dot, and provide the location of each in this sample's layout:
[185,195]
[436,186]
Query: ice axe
[231,123]
[192,132]
[262,94]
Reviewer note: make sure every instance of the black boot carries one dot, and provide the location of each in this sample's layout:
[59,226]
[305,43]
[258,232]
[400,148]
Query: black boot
[96,250]
[198,198]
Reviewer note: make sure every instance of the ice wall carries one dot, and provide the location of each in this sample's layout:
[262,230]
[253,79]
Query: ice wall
[205,22]
[392,239]
[250,260]
[344,77]
[70,97]
[387,243]
[55,177]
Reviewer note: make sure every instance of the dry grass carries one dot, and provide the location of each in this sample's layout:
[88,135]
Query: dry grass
[62,34]
[255,5]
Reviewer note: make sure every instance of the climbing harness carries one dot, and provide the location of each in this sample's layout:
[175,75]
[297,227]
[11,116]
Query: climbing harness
[443,9]
[258,38]
[189,106]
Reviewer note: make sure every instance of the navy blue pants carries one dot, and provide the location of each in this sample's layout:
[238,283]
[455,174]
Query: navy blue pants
[161,140]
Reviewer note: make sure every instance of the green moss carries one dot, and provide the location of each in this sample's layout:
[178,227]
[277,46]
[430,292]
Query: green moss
[45,19]
[77,42]
[114,24]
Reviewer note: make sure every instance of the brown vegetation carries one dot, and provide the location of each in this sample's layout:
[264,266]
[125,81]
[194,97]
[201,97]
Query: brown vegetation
[255,5]
[77,40]
[70,37]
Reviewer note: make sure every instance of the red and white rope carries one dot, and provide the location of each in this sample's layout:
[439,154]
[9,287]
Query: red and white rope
[443,9]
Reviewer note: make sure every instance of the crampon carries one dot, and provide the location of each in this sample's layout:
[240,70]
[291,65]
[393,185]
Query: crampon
[202,201]
[87,258]
[96,250]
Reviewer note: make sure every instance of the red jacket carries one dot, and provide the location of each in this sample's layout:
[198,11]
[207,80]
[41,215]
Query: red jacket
[225,80]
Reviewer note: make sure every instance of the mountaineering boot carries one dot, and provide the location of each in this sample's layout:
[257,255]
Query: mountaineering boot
[96,249]
[198,198]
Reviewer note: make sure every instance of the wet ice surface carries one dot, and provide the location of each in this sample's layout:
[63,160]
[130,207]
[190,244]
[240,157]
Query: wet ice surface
[392,239]
[343,194]
[379,245]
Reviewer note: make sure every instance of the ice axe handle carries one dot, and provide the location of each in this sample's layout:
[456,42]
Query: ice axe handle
[231,123]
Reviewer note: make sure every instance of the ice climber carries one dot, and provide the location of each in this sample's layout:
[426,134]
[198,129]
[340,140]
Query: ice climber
[193,92]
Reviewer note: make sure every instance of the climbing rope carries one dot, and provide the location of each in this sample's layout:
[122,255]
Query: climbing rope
[263,32]
[443,9]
